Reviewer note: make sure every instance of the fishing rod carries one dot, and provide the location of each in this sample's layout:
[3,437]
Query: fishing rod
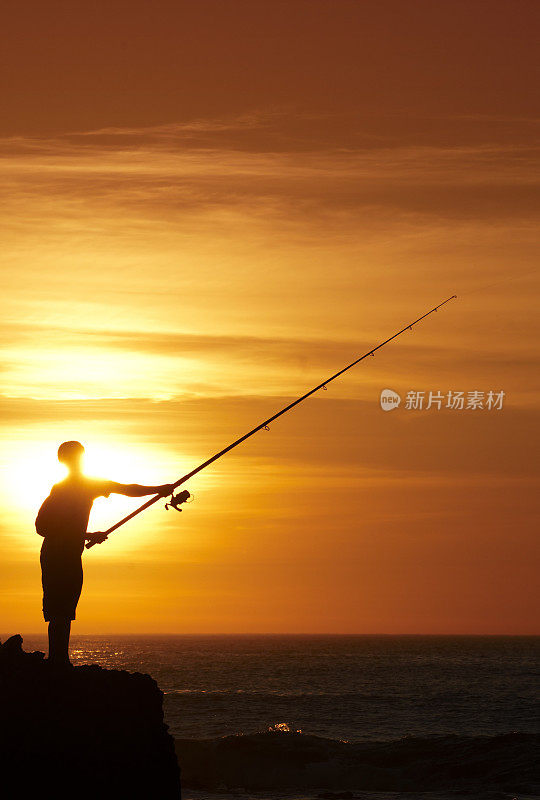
[177,500]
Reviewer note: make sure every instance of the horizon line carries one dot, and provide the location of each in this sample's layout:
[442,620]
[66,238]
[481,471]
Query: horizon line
[274,633]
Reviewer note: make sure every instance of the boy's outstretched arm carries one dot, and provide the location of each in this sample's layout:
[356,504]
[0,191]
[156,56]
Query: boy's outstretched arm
[137,490]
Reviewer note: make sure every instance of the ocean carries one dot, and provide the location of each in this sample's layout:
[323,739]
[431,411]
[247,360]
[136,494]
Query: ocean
[367,691]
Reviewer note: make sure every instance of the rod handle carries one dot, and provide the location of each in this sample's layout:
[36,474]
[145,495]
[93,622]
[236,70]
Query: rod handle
[100,537]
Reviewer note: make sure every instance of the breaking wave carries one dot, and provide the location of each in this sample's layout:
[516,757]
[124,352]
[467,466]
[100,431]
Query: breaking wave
[282,759]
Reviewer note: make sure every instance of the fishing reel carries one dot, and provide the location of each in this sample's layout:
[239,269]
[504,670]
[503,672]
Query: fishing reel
[177,500]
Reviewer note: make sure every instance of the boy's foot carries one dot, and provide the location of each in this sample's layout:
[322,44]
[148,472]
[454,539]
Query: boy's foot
[57,664]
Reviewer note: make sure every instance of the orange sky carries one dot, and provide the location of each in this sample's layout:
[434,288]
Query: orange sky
[211,206]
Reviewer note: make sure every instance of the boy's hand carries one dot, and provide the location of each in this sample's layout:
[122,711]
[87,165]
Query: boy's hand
[95,538]
[166,489]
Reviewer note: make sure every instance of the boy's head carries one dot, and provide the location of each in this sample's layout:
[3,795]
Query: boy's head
[70,454]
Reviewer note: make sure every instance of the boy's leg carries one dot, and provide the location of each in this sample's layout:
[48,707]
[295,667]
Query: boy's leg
[59,630]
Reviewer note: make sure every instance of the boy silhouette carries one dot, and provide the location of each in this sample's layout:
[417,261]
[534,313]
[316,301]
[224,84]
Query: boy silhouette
[62,521]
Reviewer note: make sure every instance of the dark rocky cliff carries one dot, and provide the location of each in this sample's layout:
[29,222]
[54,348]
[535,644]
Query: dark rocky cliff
[81,732]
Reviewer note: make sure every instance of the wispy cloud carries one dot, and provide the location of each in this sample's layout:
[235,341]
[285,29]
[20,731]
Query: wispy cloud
[193,254]
[344,433]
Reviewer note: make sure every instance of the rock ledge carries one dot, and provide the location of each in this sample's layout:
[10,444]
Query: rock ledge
[81,732]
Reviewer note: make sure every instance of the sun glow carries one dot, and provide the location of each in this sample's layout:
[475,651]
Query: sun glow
[31,468]
[84,373]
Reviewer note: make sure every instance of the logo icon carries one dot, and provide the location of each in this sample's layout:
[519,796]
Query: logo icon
[389,400]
